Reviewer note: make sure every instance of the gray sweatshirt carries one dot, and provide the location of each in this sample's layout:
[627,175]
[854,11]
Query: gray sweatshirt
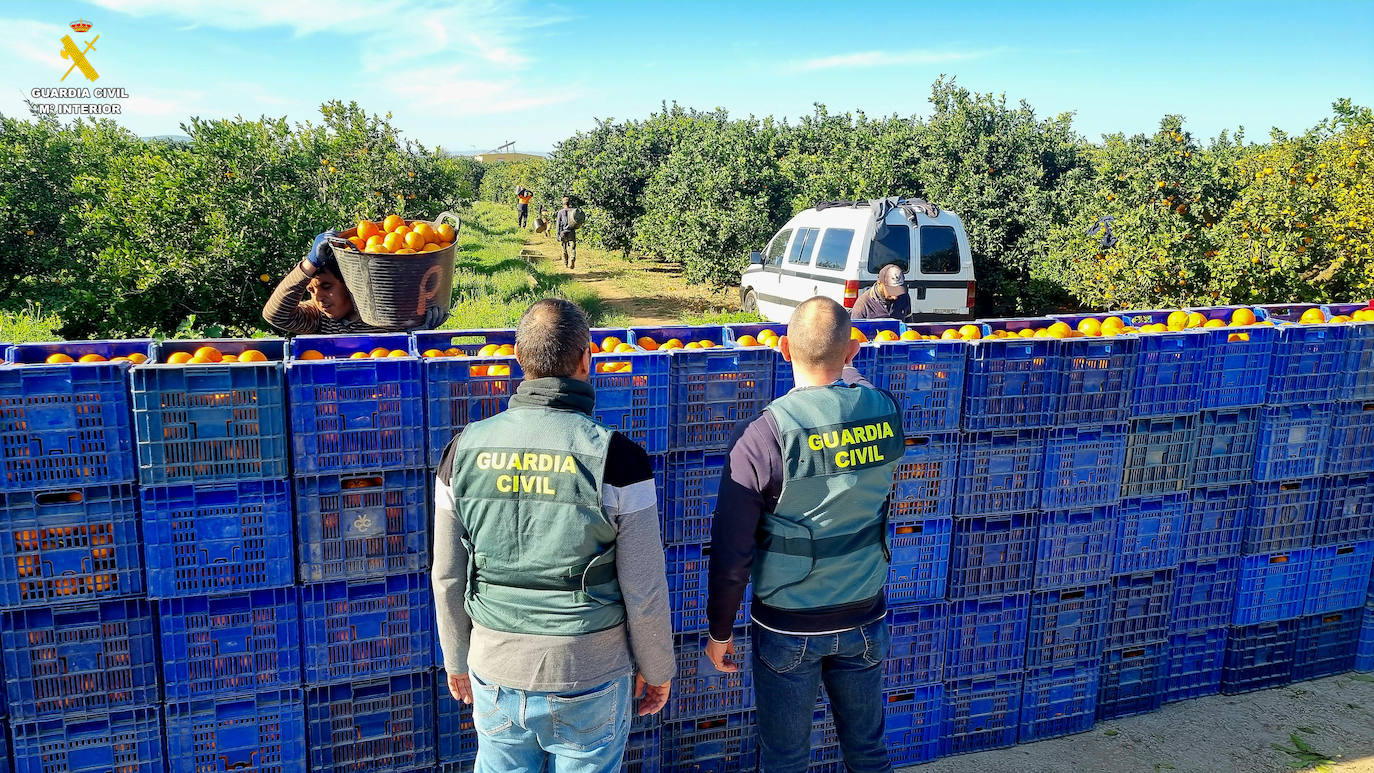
[644,643]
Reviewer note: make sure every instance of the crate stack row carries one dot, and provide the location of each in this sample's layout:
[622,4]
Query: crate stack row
[82,685]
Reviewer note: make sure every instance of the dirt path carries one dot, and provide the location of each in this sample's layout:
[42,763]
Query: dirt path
[649,292]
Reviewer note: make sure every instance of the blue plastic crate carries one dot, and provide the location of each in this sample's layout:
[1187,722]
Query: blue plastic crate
[67,425]
[1346,513]
[348,414]
[459,390]
[1168,370]
[1283,515]
[986,636]
[1359,363]
[912,718]
[1271,586]
[699,690]
[1149,532]
[1073,546]
[64,545]
[917,652]
[359,629]
[1292,441]
[89,657]
[643,749]
[1000,472]
[1058,701]
[211,422]
[1067,626]
[1159,455]
[1215,523]
[1140,607]
[920,559]
[455,735]
[1226,441]
[687,567]
[1132,680]
[927,378]
[1364,651]
[633,398]
[692,481]
[1338,577]
[1010,384]
[1259,656]
[1083,466]
[384,724]
[1326,643]
[722,743]
[1204,594]
[711,389]
[925,481]
[126,741]
[217,538]
[825,743]
[361,524]
[1236,372]
[264,731]
[1306,364]
[1350,446]
[1096,380]
[981,713]
[992,555]
[238,643]
[1195,662]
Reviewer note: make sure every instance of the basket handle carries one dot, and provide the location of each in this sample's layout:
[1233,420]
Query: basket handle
[457,223]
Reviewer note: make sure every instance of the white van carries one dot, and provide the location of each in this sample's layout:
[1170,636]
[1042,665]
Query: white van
[837,248]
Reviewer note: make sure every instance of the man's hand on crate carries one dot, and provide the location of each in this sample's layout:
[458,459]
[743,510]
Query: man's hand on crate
[652,697]
[721,654]
[461,688]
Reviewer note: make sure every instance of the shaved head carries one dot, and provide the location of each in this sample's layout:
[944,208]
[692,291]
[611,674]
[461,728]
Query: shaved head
[818,334]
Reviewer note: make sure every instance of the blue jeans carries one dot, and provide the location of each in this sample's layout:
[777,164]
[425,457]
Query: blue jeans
[788,671]
[519,730]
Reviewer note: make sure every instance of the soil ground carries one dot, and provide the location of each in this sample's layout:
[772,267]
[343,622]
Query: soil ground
[1219,734]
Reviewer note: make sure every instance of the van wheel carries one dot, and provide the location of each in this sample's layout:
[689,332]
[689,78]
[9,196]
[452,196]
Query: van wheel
[750,303]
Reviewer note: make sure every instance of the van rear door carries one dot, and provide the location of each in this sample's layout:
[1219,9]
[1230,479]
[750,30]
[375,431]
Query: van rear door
[940,277]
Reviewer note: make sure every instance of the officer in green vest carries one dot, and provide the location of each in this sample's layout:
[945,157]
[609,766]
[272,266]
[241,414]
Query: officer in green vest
[802,511]
[549,578]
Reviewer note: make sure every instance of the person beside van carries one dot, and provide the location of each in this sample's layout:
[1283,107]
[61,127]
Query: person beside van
[887,298]
[802,509]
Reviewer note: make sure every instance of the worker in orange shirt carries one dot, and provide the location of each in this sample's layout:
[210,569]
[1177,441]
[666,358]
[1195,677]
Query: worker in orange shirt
[522,206]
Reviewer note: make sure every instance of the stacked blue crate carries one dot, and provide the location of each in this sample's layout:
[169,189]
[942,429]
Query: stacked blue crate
[212,447]
[361,472]
[79,638]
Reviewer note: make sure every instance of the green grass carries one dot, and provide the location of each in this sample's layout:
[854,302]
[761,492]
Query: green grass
[493,284]
[721,318]
[30,324]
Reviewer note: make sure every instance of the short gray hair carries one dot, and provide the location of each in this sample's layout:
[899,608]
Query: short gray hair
[551,339]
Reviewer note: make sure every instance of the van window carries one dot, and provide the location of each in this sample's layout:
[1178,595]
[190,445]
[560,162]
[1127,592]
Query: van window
[776,247]
[891,244]
[834,252]
[939,250]
[802,246]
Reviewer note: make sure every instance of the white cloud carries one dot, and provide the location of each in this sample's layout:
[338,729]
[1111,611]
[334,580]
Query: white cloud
[452,93]
[868,59]
[302,16]
[36,42]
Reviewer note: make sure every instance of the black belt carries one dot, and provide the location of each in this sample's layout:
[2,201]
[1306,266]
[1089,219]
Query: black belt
[828,547]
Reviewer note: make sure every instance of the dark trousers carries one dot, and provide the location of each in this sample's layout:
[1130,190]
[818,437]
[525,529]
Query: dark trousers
[788,671]
[522,211]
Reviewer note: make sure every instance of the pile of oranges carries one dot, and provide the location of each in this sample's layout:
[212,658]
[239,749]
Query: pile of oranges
[379,353]
[209,355]
[1318,317]
[490,350]
[59,358]
[394,236]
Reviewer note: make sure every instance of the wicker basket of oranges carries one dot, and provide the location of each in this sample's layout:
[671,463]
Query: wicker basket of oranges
[399,270]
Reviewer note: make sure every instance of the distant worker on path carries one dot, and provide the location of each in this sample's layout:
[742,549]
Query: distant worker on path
[549,578]
[887,298]
[522,205]
[569,219]
[330,308]
[802,508]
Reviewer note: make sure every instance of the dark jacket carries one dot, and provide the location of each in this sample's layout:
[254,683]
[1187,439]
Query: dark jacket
[871,305]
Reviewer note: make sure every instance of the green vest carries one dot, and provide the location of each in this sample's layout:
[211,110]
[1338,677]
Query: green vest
[825,544]
[541,551]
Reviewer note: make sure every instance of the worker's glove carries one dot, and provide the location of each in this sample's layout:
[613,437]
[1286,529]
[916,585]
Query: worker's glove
[320,251]
[434,317]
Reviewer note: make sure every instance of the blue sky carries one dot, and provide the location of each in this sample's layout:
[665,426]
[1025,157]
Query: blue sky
[471,74]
